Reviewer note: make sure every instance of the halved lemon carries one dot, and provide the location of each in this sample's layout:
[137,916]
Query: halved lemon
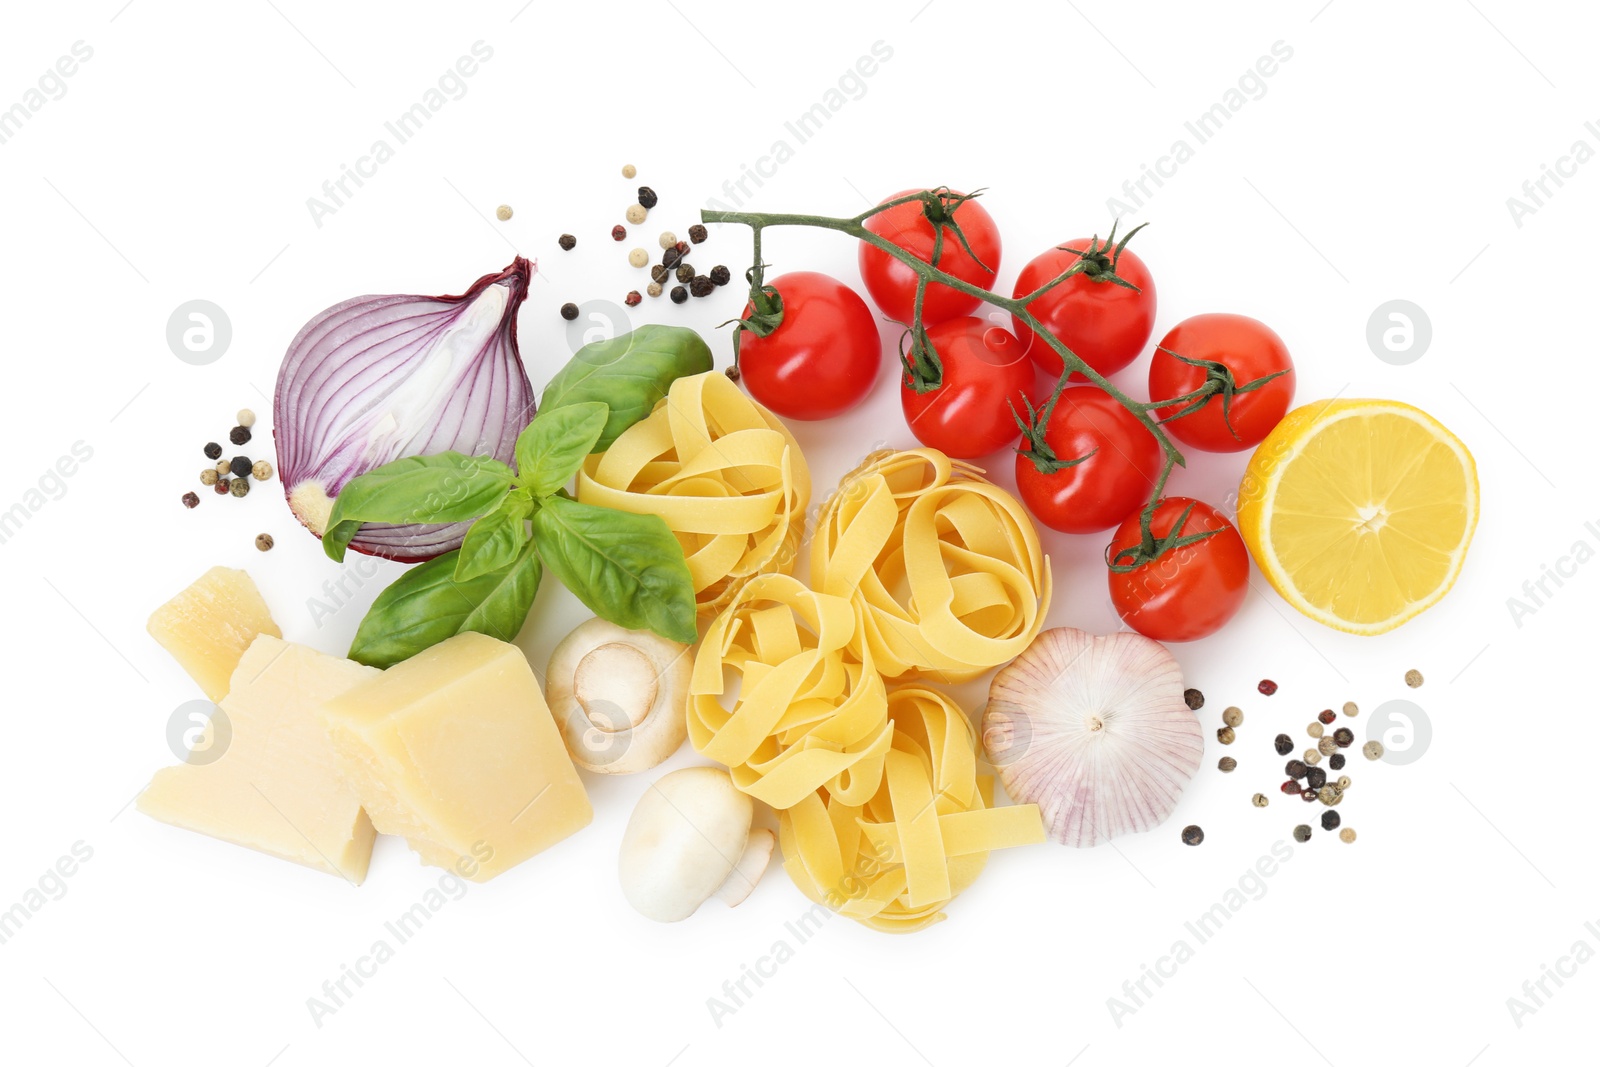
[1359,512]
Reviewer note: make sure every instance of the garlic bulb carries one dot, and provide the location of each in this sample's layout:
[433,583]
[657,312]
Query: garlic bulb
[1095,731]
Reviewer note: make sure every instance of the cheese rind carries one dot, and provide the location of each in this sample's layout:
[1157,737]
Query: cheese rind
[277,788]
[208,626]
[456,751]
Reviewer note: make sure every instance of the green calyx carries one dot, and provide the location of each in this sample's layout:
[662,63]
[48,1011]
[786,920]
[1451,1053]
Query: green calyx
[1151,548]
[1219,381]
[1099,261]
[1038,450]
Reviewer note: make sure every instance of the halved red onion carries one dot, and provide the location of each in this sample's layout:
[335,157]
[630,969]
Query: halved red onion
[378,378]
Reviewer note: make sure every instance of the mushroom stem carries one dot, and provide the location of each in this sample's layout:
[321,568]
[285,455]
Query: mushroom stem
[747,872]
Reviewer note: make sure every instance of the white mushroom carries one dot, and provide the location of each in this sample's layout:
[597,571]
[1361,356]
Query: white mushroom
[689,840]
[619,696]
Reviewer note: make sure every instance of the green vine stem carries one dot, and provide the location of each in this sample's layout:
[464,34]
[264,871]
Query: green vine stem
[937,205]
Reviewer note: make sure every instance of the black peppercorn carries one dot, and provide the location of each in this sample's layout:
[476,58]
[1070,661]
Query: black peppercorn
[1344,737]
[679,294]
[1302,833]
[1316,777]
[221,488]
[1193,835]
[1291,787]
[190,500]
[1326,717]
[647,196]
[1295,769]
[720,275]
[697,233]
[1330,820]
[239,435]
[241,466]
[1194,698]
[659,274]
[1336,761]
[702,286]
[213,451]
[567,242]
[1267,687]
[671,257]
[619,232]
[569,311]
[685,272]
[633,298]
[1284,744]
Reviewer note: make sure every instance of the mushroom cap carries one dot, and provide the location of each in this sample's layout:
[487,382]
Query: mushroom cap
[686,835]
[1095,731]
[619,696]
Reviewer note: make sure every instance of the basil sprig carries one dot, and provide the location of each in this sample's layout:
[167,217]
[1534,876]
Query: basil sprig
[626,568]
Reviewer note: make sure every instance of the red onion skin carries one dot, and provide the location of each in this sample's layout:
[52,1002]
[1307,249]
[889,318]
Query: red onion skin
[298,461]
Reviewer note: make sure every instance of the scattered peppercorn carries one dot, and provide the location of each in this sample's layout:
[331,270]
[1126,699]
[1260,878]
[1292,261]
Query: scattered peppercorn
[629,170]
[671,257]
[1327,746]
[1344,737]
[246,417]
[658,273]
[647,196]
[221,488]
[1226,735]
[1372,749]
[1193,835]
[503,212]
[619,232]
[209,476]
[1329,795]
[224,466]
[720,275]
[1350,708]
[1413,678]
[1284,744]
[1233,716]
[633,299]
[1347,835]
[1227,764]
[1302,833]
[1336,761]
[697,233]
[239,435]
[668,239]
[1194,699]
[679,294]
[635,214]
[1309,796]
[682,247]
[654,288]
[569,242]
[240,466]
[1267,687]
[213,451]
[1311,756]
[239,487]
[638,257]
[1295,769]
[569,311]
[1326,716]
[262,470]
[264,542]
[1314,729]
[1316,777]
[190,500]
[1291,787]
[1343,783]
[1330,820]
[702,286]
[1259,800]
[685,272]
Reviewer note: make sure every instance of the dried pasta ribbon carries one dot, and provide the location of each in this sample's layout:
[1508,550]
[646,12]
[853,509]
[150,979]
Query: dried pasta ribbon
[808,715]
[723,473]
[946,566]
[896,860]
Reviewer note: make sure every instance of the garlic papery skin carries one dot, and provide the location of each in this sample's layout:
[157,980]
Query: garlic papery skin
[379,378]
[619,696]
[1095,731]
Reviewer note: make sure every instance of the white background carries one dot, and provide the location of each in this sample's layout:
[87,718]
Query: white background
[1377,165]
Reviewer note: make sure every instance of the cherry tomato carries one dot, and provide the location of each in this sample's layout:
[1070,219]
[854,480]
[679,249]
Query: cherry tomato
[1250,351]
[1096,493]
[893,285]
[1105,324]
[985,373]
[1192,590]
[823,357]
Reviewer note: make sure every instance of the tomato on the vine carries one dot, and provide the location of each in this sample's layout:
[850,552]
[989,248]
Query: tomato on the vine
[822,358]
[1104,323]
[1086,462]
[1189,590]
[1244,369]
[984,373]
[893,285]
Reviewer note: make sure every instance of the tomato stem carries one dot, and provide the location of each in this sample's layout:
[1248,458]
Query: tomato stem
[1038,451]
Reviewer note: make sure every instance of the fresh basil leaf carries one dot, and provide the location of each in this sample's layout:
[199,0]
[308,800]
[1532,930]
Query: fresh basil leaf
[426,605]
[497,538]
[552,447]
[446,487]
[626,568]
[629,373]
